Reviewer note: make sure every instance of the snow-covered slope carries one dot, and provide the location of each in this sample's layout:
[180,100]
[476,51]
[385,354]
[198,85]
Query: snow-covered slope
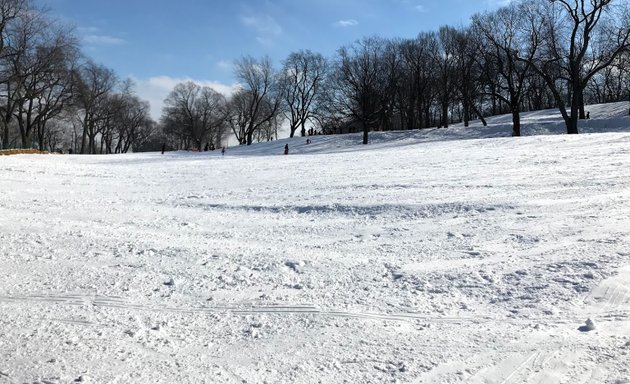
[611,117]
[417,259]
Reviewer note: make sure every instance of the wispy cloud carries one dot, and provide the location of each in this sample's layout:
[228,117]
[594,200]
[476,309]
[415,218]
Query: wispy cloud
[225,65]
[94,36]
[156,89]
[421,8]
[87,30]
[102,40]
[266,27]
[498,3]
[412,5]
[347,23]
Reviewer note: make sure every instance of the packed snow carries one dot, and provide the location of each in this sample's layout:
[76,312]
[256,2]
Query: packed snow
[433,256]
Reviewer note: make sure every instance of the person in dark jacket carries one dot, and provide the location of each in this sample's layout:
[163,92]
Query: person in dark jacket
[286,149]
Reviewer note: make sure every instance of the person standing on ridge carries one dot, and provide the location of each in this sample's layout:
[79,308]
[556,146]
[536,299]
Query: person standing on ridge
[286,149]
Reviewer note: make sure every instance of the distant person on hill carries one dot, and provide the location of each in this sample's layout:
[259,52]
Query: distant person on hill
[222,151]
[588,115]
[163,147]
[286,149]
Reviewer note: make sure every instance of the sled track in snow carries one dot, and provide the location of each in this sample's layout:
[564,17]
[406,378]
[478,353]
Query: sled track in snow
[617,296]
[6,378]
[534,362]
[526,363]
[242,310]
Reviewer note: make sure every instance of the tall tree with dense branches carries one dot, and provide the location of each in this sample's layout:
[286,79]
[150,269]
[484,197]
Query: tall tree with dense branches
[260,85]
[10,12]
[579,38]
[301,81]
[503,36]
[361,81]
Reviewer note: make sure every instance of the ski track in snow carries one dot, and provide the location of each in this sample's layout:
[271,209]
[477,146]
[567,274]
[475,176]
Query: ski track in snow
[613,312]
[422,258]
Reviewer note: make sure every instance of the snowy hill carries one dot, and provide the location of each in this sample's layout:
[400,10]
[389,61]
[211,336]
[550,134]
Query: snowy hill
[420,258]
[611,117]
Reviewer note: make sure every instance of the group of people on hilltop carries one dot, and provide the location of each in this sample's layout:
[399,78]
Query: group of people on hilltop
[208,147]
[286,146]
[212,148]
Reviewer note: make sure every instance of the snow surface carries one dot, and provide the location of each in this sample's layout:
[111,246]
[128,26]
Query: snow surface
[420,258]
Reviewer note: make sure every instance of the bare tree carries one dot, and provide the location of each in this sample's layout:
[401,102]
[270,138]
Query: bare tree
[611,84]
[416,86]
[361,82]
[10,40]
[263,96]
[239,118]
[444,60]
[301,80]
[465,51]
[503,37]
[130,124]
[94,85]
[45,68]
[391,63]
[211,109]
[237,114]
[55,135]
[579,39]
[198,110]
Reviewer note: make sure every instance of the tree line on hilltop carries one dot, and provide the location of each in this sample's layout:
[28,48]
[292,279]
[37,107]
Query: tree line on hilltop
[526,56]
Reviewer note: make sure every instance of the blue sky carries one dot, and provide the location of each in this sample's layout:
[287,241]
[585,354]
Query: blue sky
[159,43]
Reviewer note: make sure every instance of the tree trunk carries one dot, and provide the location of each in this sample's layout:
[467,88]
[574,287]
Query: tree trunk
[466,113]
[516,121]
[23,132]
[580,94]
[84,136]
[5,135]
[365,133]
[40,137]
[250,136]
[444,116]
[572,125]
[483,120]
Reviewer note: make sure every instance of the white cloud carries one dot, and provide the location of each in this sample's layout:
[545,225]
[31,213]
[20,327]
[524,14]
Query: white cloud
[263,24]
[266,27]
[347,23]
[498,3]
[102,40]
[421,8]
[156,89]
[94,36]
[87,30]
[225,65]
